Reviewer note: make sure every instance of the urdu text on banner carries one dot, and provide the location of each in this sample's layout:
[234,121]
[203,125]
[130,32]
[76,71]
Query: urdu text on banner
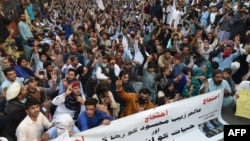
[193,119]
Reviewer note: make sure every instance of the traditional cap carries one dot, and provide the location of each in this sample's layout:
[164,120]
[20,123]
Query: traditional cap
[13,91]
[177,56]
[28,79]
[75,84]
[94,39]
[229,43]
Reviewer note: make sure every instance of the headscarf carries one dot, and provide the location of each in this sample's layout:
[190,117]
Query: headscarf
[64,123]
[72,104]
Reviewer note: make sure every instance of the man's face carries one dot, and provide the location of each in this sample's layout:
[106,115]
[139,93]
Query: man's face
[120,39]
[226,75]
[24,63]
[71,75]
[79,31]
[185,50]
[85,70]
[157,42]
[144,96]
[33,111]
[218,78]
[43,58]
[167,72]
[179,28]
[5,63]
[75,38]
[23,18]
[206,46]
[49,68]
[23,93]
[75,61]
[125,78]
[90,110]
[73,49]
[11,75]
[176,61]
[185,40]
[167,55]
[76,91]
[92,43]
[32,84]
[90,56]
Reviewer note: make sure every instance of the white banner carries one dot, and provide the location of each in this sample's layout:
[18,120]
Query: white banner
[100,4]
[193,119]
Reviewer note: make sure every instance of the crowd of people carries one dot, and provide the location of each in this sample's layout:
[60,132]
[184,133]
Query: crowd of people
[77,64]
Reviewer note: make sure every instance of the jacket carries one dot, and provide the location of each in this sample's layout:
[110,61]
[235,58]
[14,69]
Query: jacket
[132,103]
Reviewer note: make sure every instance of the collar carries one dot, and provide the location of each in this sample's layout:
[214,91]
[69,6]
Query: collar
[23,100]
[30,121]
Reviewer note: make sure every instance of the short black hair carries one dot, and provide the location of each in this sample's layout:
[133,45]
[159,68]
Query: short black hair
[80,70]
[90,101]
[46,64]
[123,72]
[167,50]
[81,27]
[100,89]
[20,59]
[186,69]
[72,70]
[228,70]
[5,71]
[216,71]
[151,64]
[144,91]
[31,102]
[215,65]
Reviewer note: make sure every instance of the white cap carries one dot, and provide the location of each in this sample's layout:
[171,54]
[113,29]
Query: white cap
[13,91]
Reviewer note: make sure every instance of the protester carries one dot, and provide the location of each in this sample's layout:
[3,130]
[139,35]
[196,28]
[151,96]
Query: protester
[64,123]
[134,102]
[92,117]
[70,102]
[35,122]
[15,109]
[216,83]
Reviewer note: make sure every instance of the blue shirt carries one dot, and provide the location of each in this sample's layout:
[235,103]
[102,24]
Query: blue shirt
[213,87]
[85,122]
[226,62]
[23,72]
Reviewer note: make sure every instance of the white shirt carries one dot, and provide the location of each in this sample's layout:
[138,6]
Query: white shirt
[102,76]
[61,108]
[29,130]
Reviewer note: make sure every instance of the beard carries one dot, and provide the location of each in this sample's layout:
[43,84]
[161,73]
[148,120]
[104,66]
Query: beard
[24,20]
[218,82]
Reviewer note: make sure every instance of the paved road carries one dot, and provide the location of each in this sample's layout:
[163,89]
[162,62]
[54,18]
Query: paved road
[228,116]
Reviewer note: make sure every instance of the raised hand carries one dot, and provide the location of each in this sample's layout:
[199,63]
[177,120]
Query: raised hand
[54,76]
[80,99]
[65,83]
[69,90]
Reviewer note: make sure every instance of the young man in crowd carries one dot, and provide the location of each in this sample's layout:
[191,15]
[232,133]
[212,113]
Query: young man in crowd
[92,117]
[34,124]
